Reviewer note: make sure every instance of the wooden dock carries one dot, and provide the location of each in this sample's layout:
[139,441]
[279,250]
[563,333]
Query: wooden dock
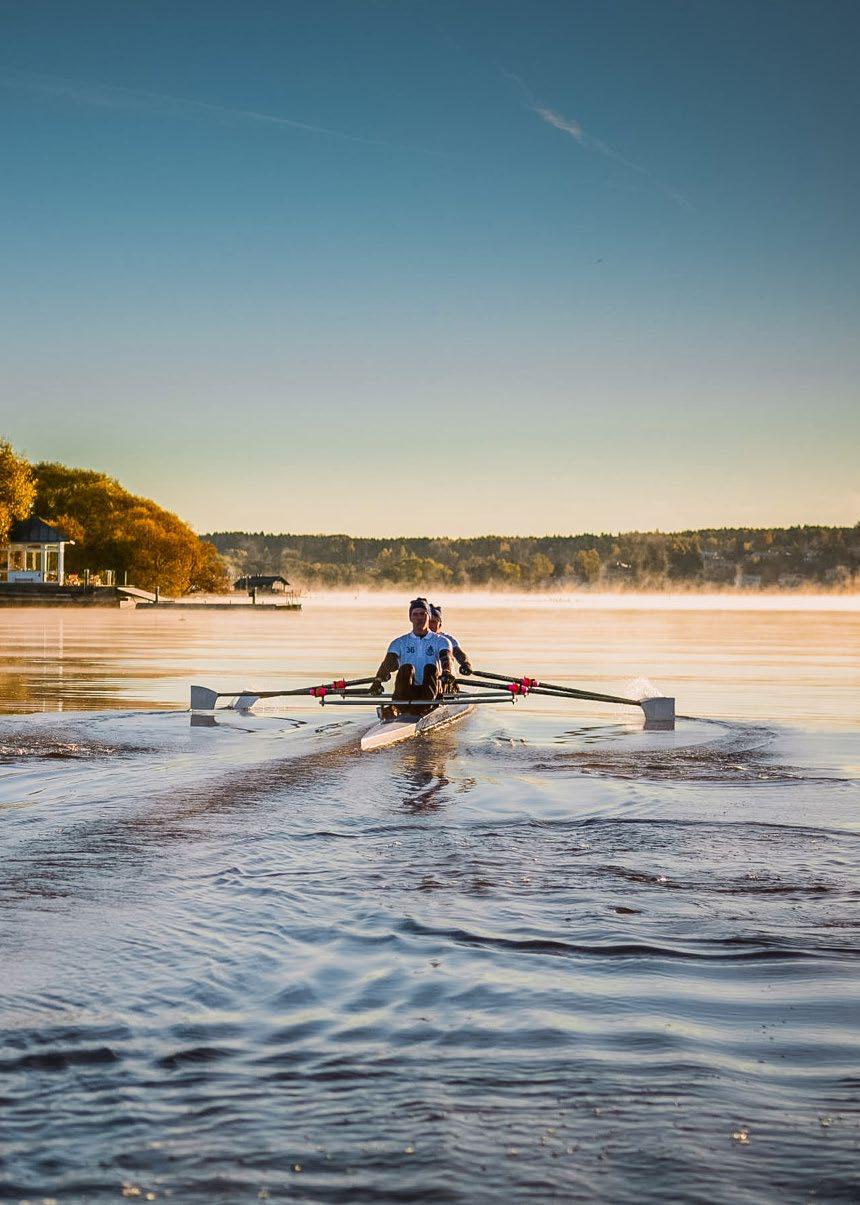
[178,604]
[49,594]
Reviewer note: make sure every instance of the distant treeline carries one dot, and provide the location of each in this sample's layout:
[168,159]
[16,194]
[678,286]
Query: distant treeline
[791,557]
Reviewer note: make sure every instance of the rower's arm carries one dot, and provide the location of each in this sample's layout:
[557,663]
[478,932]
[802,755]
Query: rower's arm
[459,656]
[390,664]
[445,659]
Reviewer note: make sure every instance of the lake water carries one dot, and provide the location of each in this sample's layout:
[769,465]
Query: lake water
[542,955]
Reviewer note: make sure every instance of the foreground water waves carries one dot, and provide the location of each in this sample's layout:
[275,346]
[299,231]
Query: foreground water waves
[540,956]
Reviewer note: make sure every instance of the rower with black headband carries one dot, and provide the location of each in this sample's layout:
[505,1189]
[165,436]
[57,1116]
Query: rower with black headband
[421,660]
[436,627]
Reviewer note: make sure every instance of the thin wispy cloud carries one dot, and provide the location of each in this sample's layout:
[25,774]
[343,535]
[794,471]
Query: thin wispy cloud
[561,123]
[573,128]
[116,97]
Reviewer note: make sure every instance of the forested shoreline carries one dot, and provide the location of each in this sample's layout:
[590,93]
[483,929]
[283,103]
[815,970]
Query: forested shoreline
[809,557]
[133,536]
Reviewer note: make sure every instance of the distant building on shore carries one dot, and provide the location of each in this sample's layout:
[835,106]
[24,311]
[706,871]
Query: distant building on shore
[35,552]
[268,584]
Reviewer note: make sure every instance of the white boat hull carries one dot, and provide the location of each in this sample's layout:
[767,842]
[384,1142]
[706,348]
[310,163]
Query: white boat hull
[391,732]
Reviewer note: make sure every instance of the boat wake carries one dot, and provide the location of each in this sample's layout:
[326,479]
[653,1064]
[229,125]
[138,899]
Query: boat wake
[495,941]
[735,753]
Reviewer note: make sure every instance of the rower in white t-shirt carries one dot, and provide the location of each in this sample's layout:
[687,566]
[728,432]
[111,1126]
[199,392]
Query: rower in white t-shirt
[420,658]
[436,626]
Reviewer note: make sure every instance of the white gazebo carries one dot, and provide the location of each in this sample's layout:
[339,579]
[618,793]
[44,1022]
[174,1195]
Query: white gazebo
[35,552]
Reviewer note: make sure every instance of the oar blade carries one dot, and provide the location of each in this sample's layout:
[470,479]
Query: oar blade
[203,699]
[659,713]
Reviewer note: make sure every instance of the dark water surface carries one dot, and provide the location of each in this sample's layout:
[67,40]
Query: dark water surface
[540,956]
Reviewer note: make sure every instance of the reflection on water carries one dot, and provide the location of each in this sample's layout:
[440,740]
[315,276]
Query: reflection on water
[790,667]
[540,956]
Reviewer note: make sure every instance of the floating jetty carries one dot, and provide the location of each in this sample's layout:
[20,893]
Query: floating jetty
[49,594]
[179,604]
[144,598]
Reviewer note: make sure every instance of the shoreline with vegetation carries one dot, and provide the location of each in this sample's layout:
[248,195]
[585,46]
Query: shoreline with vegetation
[137,540]
[808,559]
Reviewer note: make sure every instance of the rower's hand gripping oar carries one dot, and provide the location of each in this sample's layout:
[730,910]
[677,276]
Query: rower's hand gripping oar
[204,699]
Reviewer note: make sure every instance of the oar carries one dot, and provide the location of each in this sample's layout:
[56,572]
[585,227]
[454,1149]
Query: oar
[390,701]
[551,693]
[534,686]
[204,699]
[659,710]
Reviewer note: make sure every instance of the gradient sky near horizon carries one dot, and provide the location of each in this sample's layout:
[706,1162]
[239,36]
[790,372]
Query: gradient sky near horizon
[399,268]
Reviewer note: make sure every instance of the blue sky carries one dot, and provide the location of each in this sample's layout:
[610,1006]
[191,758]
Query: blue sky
[449,268]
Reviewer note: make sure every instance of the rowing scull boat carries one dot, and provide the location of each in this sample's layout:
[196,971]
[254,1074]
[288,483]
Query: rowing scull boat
[402,727]
[481,687]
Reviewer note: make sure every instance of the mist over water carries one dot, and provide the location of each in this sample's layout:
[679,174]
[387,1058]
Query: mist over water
[541,955]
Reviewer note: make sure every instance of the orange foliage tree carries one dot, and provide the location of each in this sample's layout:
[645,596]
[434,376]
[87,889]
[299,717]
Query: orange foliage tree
[114,529]
[16,488]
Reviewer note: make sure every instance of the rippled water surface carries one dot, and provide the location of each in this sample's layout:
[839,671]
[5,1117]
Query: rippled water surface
[542,955]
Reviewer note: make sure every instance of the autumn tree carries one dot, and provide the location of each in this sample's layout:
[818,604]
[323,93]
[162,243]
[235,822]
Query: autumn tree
[685,557]
[587,564]
[539,569]
[114,529]
[17,490]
